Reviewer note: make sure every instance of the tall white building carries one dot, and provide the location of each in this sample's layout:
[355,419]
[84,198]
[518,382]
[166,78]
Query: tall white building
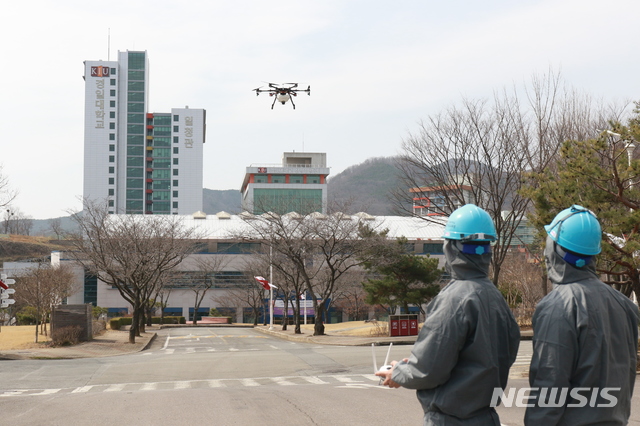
[136,161]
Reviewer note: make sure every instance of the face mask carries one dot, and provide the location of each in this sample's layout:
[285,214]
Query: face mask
[477,248]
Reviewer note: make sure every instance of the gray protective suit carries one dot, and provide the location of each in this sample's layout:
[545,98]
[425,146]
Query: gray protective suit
[585,335]
[465,348]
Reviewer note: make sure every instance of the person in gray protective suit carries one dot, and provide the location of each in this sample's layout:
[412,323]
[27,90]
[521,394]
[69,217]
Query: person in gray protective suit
[469,339]
[585,334]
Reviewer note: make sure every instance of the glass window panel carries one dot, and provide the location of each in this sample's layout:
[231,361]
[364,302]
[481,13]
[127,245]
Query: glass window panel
[313,179]
[135,118]
[162,131]
[162,120]
[135,161]
[175,183]
[134,129]
[135,150]
[135,86]
[260,179]
[160,174]
[135,183]
[136,60]
[161,141]
[161,206]
[161,184]
[160,196]
[135,140]
[281,201]
[161,152]
[135,172]
[135,107]
[176,118]
[136,75]
[134,194]
[133,205]
[162,164]
[135,96]
[277,179]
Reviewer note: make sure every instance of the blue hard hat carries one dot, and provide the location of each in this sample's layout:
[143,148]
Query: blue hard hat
[576,229]
[470,223]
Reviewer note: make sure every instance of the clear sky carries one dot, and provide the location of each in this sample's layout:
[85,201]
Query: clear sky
[375,69]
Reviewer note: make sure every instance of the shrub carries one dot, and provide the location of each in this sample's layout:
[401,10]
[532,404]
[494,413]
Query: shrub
[26,316]
[66,335]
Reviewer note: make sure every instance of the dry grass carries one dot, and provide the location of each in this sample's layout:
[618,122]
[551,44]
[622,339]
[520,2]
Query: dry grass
[20,337]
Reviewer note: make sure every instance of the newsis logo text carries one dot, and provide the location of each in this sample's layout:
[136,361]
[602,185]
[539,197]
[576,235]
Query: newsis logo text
[555,397]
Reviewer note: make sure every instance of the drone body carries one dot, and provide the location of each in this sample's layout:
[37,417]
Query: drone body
[283,93]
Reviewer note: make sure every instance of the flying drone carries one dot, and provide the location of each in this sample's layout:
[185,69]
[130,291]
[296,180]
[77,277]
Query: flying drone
[283,93]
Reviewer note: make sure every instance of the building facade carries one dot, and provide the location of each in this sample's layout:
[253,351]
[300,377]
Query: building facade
[299,184]
[219,241]
[135,161]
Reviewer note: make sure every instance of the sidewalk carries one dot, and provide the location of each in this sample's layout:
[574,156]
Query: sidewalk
[109,343]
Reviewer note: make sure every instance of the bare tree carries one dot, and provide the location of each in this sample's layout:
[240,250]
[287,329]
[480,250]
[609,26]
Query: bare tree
[322,248]
[56,227]
[204,278]
[478,153]
[43,287]
[7,195]
[16,222]
[131,252]
[251,296]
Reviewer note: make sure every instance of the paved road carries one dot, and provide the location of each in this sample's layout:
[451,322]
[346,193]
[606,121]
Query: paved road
[223,377]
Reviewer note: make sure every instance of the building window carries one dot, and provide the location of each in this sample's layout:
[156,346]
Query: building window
[260,179]
[175,172]
[111,181]
[112,169]
[112,114]
[112,126]
[175,150]
[111,191]
[112,148]
[112,104]
[176,118]
[313,179]
[295,179]
[112,81]
[277,179]
[176,139]
[175,194]
[110,203]
[112,136]
[113,71]
[175,161]
[112,92]
[175,204]
[112,158]
[175,183]
[176,129]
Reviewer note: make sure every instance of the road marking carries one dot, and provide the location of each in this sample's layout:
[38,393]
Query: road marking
[354,381]
[314,380]
[282,381]
[190,350]
[115,388]
[149,386]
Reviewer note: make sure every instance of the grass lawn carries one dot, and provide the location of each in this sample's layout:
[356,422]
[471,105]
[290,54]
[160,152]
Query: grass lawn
[20,337]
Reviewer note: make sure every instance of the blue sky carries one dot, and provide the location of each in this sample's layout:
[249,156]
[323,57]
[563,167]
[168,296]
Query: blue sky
[376,68]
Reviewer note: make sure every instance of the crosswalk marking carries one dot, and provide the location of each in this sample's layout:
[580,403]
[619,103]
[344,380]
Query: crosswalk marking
[115,388]
[149,386]
[352,381]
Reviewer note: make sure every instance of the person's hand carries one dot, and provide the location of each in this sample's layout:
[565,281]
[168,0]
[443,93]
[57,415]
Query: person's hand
[386,375]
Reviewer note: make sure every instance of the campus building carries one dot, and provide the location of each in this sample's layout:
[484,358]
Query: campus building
[220,242]
[136,161]
[298,184]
